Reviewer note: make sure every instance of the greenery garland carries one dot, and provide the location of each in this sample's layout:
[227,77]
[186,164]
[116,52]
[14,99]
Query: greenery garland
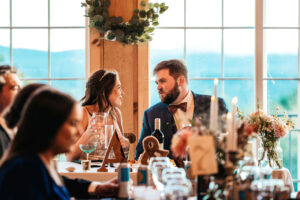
[138,30]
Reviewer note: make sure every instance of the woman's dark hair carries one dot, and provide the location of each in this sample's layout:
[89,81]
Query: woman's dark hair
[43,115]
[98,89]
[12,117]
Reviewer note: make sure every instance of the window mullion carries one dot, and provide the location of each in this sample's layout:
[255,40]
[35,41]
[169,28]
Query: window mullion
[49,48]
[222,49]
[10,34]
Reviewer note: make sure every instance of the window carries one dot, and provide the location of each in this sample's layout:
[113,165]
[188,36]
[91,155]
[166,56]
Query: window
[213,43]
[222,39]
[45,40]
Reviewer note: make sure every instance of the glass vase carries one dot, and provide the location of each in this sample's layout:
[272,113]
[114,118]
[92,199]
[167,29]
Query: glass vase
[270,156]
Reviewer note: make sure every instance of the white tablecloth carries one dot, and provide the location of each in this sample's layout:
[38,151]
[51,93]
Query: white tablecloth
[91,175]
[285,175]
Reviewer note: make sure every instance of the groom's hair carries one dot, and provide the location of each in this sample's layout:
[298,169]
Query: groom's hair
[176,68]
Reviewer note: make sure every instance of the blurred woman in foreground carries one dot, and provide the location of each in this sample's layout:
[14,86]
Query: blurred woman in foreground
[46,129]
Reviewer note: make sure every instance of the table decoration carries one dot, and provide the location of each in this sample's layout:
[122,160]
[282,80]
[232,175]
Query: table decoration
[270,129]
[151,149]
[116,147]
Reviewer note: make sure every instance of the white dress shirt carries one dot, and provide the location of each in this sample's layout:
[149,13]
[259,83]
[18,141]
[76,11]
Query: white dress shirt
[182,118]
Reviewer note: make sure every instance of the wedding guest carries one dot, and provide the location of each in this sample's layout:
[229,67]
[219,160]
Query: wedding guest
[9,87]
[77,188]
[179,105]
[103,93]
[46,129]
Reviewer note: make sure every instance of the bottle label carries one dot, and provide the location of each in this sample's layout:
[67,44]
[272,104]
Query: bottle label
[124,174]
[161,145]
[142,177]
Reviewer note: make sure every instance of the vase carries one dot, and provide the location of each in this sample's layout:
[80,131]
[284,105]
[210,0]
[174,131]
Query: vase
[270,156]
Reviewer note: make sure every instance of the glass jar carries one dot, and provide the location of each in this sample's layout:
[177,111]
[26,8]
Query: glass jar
[274,162]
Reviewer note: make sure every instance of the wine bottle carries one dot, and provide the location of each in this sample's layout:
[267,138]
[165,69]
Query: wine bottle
[158,134]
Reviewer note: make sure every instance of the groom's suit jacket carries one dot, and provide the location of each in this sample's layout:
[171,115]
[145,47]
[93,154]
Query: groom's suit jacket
[168,126]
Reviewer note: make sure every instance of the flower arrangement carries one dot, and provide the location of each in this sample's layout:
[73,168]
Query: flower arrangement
[270,129]
[179,142]
[137,30]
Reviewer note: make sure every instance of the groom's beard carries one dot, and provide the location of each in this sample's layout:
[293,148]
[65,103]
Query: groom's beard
[170,96]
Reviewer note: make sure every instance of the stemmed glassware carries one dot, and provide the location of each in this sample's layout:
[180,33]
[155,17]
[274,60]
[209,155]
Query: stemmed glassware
[88,148]
[157,170]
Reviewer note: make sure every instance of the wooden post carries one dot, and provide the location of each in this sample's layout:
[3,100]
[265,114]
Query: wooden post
[132,64]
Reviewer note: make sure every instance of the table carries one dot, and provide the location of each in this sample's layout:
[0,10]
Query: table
[285,175]
[92,174]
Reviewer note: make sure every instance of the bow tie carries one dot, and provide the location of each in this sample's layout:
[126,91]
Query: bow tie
[173,108]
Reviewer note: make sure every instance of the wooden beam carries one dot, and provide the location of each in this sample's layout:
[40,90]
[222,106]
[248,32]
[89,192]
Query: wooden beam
[132,64]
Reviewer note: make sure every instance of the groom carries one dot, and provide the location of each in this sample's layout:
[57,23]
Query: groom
[178,106]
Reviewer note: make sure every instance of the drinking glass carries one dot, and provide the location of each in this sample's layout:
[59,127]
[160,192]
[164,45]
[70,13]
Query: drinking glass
[173,173]
[98,122]
[177,189]
[159,159]
[109,129]
[88,148]
[157,170]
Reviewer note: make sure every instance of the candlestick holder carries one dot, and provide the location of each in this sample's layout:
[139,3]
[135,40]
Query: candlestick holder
[231,159]
[233,156]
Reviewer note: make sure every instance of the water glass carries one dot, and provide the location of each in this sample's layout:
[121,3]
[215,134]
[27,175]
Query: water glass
[157,170]
[159,159]
[178,189]
[109,129]
[173,173]
[99,120]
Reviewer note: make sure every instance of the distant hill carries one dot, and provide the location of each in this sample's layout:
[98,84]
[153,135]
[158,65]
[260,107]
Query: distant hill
[71,64]
[34,63]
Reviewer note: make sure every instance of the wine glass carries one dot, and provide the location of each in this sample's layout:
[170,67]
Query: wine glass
[88,148]
[157,170]
[109,129]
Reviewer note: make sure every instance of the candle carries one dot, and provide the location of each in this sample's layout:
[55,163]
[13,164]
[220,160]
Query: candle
[216,87]
[229,132]
[233,128]
[212,113]
[214,106]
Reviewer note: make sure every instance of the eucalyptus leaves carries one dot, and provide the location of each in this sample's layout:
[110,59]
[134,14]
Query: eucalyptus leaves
[139,28]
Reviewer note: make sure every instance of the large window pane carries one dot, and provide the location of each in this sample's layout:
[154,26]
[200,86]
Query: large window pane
[239,53]
[4,46]
[203,53]
[29,13]
[290,144]
[174,15]
[74,88]
[204,13]
[67,13]
[281,50]
[67,53]
[244,90]
[282,94]
[25,82]
[4,13]
[204,87]
[281,13]
[166,44]
[154,98]
[30,54]
[239,12]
